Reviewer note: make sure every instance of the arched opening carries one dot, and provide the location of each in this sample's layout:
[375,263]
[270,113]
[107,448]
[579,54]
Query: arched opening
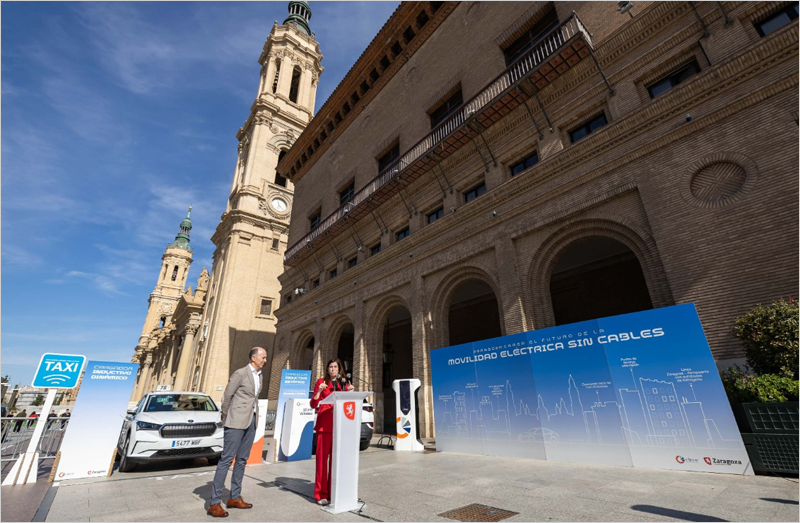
[595,278]
[474,314]
[280,180]
[277,75]
[307,361]
[344,350]
[295,87]
[398,359]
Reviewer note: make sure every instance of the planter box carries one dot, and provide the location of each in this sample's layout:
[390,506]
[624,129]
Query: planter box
[770,435]
[766,418]
[776,453]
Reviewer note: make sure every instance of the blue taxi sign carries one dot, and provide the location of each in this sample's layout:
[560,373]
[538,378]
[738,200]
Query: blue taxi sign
[59,371]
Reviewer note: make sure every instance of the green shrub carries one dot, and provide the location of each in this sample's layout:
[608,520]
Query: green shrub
[770,337]
[742,387]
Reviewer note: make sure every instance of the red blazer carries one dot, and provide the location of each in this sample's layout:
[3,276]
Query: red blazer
[325,413]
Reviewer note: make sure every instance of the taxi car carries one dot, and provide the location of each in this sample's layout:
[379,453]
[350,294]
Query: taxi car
[170,426]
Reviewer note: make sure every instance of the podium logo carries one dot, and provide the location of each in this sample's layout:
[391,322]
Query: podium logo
[350,409]
[707,460]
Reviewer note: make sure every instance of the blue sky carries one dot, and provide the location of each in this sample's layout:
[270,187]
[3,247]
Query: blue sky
[115,118]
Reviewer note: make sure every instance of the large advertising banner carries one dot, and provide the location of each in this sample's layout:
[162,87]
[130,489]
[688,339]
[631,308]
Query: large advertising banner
[638,390]
[93,430]
[294,385]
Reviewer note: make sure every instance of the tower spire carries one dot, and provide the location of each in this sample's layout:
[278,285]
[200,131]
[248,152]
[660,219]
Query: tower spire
[182,239]
[299,15]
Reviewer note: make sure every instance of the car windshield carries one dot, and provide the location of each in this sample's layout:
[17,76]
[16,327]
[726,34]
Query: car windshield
[179,402]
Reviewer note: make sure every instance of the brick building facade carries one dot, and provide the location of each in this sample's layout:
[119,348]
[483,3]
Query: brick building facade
[486,169]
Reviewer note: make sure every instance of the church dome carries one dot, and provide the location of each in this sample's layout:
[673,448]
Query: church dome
[299,15]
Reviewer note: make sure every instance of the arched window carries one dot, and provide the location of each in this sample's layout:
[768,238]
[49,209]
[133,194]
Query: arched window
[174,273]
[277,75]
[295,88]
[280,180]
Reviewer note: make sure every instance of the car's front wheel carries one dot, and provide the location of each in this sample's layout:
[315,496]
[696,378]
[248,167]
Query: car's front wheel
[214,461]
[124,463]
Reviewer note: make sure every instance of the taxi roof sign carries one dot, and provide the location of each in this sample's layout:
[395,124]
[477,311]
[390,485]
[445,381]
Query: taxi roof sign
[59,371]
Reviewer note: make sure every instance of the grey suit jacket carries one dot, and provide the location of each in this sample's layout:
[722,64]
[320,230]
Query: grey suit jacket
[239,399]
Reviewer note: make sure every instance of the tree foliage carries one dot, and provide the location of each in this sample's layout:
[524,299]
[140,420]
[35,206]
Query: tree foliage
[770,338]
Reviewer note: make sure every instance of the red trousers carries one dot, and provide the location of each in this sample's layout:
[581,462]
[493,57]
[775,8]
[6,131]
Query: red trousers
[322,483]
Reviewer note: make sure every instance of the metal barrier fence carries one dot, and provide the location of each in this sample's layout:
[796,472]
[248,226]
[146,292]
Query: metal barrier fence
[17,433]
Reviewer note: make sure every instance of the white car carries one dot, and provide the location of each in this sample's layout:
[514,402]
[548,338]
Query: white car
[171,426]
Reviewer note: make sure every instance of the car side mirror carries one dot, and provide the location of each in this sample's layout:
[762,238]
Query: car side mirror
[131,412]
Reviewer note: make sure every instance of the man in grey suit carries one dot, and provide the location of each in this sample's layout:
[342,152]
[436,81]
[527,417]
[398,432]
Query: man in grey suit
[239,415]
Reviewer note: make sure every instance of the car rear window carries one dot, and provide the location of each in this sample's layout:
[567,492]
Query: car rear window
[179,402]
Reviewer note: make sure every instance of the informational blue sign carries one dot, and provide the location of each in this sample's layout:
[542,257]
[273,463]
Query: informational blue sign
[294,385]
[59,371]
[638,390]
[88,446]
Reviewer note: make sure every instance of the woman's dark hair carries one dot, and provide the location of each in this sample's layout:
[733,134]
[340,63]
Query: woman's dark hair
[338,362]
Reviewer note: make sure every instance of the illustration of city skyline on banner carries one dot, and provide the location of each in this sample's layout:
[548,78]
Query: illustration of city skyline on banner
[639,389]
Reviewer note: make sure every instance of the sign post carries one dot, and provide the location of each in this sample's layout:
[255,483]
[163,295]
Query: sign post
[347,408]
[55,371]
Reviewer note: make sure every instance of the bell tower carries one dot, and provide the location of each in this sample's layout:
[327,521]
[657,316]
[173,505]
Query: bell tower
[251,237]
[175,263]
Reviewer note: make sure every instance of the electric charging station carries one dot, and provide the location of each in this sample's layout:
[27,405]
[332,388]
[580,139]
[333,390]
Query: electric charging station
[407,409]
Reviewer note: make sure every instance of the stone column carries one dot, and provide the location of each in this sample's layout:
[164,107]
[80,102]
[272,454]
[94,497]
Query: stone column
[304,92]
[170,355]
[420,351]
[269,75]
[312,93]
[185,362]
[147,368]
[510,299]
[359,344]
[255,143]
[139,378]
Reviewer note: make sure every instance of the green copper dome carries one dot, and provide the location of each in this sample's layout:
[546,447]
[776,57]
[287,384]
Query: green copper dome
[299,15]
[182,239]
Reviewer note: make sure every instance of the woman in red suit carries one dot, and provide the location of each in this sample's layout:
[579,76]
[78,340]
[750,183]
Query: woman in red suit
[333,381]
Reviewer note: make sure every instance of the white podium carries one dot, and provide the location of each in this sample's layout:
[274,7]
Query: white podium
[347,408]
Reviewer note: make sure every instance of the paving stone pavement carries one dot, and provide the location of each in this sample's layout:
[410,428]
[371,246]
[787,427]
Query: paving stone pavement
[419,486]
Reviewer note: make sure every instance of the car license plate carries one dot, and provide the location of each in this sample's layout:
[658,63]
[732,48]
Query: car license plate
[185,442]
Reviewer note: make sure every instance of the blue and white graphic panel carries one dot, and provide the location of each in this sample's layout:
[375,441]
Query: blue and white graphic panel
[576,404]
[453,405]
[675,411]
[505,399]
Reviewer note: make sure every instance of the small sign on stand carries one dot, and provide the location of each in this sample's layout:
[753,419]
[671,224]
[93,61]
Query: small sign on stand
[55,371]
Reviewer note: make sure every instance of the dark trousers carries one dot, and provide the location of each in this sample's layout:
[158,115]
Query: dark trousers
[322,480]
[236,444]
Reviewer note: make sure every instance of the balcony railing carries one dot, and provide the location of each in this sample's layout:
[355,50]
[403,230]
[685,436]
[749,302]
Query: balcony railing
[560,50]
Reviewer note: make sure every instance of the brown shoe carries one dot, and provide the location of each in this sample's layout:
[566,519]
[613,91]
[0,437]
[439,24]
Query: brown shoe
[239,503]
[217,511]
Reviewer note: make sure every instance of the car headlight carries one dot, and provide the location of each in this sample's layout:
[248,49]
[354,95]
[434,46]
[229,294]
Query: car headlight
[143,425]
[218,424]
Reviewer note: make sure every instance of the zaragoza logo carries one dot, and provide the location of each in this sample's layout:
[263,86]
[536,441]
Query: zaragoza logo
[350,409]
